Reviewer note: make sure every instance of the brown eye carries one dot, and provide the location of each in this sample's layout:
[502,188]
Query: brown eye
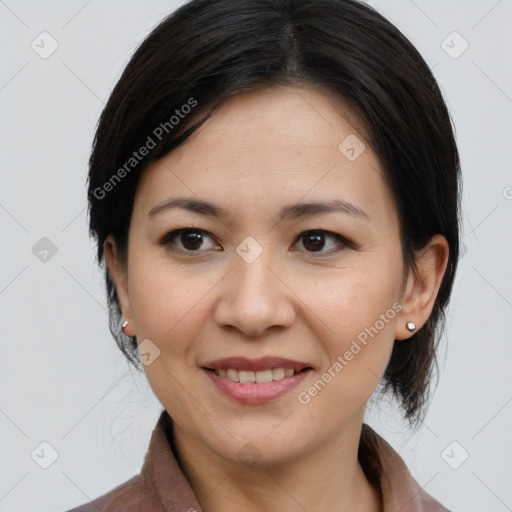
[189,240]
[316,241]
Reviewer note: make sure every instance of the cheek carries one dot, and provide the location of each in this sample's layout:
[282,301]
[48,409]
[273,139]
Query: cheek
[167,305]
[349,301]
[360,314]
[168,309]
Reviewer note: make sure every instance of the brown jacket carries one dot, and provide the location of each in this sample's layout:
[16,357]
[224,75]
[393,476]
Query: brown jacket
[161,485]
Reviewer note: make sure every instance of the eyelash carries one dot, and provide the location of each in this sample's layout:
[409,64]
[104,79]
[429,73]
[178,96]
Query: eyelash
[167,239]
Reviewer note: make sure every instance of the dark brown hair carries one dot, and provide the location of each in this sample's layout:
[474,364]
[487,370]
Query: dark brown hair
[209,50]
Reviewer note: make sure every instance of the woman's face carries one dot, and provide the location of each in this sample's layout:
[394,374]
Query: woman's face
[248,282]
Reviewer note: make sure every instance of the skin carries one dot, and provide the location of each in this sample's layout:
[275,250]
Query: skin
[259,152]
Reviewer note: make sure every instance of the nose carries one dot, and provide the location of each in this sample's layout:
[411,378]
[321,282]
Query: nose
[254,298]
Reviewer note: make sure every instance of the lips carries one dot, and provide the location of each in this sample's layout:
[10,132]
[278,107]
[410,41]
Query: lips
[264,363]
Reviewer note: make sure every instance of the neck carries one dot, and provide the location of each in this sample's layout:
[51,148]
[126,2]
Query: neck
[324,479]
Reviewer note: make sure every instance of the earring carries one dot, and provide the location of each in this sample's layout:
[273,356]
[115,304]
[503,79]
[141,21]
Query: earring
[411,326]
[123,326]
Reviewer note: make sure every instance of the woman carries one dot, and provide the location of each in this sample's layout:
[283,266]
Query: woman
[274,188]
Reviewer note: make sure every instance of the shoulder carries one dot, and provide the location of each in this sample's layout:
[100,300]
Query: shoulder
[130,496]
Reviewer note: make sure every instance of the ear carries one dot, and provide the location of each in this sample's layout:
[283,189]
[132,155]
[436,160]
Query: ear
[422,286]
[119,273]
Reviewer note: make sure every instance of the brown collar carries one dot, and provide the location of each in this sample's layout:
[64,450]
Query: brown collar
[379,460]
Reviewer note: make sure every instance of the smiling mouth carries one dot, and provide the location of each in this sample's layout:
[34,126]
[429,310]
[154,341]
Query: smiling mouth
[259,376]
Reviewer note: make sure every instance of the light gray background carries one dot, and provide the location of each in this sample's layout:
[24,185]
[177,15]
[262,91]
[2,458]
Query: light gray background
[64,381]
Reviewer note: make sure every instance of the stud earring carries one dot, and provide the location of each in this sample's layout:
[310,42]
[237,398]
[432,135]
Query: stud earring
[411,326]
[124,325]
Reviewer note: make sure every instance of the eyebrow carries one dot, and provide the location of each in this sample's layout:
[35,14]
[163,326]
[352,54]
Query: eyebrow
[294,211]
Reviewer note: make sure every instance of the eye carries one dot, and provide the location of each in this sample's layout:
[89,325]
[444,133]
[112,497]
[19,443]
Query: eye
[190,239]
[314,241]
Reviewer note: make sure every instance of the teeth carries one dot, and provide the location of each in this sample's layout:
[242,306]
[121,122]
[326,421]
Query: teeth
[278,373]
[247,376]
[264,376]
[233,375]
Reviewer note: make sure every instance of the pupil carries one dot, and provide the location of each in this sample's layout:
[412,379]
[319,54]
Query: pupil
[318,242]
[191,240]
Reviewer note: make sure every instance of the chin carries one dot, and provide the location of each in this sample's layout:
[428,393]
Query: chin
[258,443]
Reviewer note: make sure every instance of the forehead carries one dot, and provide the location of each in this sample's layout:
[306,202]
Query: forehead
[279,116]
[273,146]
